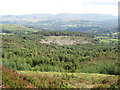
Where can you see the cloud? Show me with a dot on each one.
(58, 6)
(101, 2)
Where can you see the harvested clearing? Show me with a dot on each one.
(65, 40)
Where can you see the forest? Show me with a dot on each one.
(24, 51)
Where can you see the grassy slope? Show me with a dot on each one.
(71, 80)
(36, 79)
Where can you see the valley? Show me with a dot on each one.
(59, 53)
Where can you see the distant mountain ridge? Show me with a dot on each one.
(92, 23)
(61, 16)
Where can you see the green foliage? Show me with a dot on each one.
(26, 52)
(107, 67)
(15, 29)
(112, 69)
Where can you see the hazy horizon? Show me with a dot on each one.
(54, 14)
(26, 7)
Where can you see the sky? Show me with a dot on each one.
(21, 7)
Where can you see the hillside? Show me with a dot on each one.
(30, 53)
(71, 80)
(36, 79)
(13, 29)
(11, 79)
